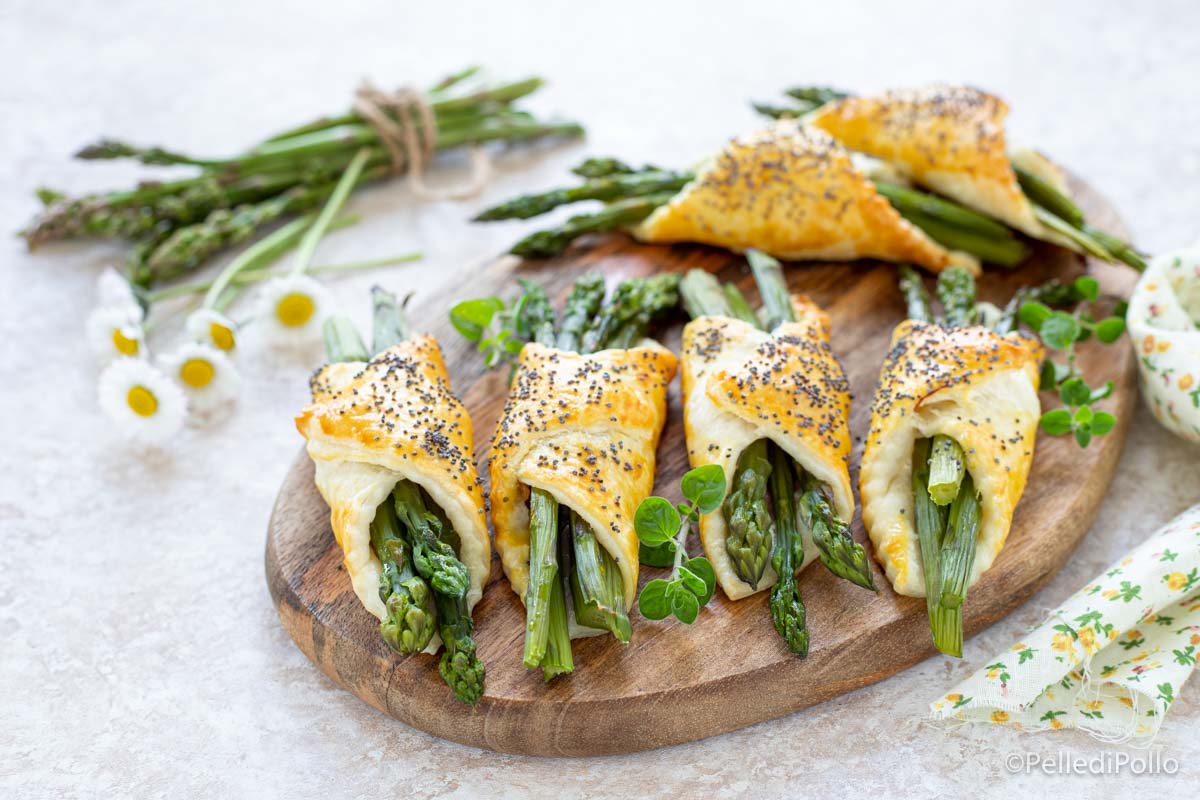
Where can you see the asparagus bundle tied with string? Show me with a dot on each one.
(409, 516)
(176, 225)
(574, 451)
(765, 398)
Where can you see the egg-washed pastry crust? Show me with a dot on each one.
(968, 383)
(948, 138)
(742, 384)
(793, 192)
(585, 429)
(394, 418)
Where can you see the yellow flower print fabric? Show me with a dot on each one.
(1164, 323)
(1111, 659)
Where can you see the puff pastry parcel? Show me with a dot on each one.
(371, 425)
(792, 192)
(583, 428)
(742, 384)
(968, 383)
(948, 138)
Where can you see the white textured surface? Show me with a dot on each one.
(139, 652)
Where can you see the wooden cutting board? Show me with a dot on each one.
(729, 668)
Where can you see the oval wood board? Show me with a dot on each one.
(729, 668)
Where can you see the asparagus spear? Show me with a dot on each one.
(945, 211)
(915, 296)
(433, 558)
(956, 291)
(535, 315)
(596, 586)
(929, 521)
(750, 530)
(557, 660)
(459, 666)
(613, 187)
(601, 168)
(702, 295)
(787, 608)
(582, 304)
(946, 469)
(817, 95)
(1042, 193)
(739, 306)
(543, 573)
(955, 561)
(342, 342)
(840, 554)
(619, 214)
(1007, 252)
(776, 299)
(634, 305)
(409, 600)
(389, 322)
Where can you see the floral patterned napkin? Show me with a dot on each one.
(1111, 659)
(1164, 324)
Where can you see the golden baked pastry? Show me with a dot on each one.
(968, 383)
(793, 192)
(948, 138)
(394, 418)
(742, 384)
(583, 428)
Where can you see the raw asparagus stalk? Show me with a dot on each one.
(739, 306)
(543, 574)
(581, 306)
(915, 297)
(389, 322)
(602, 168)
(619, 214)
(776, 299)
(634, 305)
(945, 211)
(459, 666)
(434, 559)
(956, 291)
(955, 561)
(342, 342)
(840, 554)
(411, 614)
(596, 586)
(787, 607)
(613, 187)
(1088, 244)
(750, 530)
(946, 469)
(929, 520)
(703, 296)
(1042, 193)
(535, 315)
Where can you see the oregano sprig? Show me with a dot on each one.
(1061, 331)
(662, 530)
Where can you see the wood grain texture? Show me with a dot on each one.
(730, 667)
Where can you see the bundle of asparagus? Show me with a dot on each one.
(774, 505)
(177, 225)
(423, 581)
(564, 554)
(1061, 220)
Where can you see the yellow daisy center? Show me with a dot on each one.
(295, 309)
(197, 372)
(125, 345)
(221, 336)
(142, 401)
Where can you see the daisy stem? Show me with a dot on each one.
(266, 249)
(250, 275)
(345, 185)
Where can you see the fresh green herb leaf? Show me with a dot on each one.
(1083, 436)
(691, 581)
(1060, 330)
(1056, 422)
(1109, 330)
(654, 602)
(1102, 423)
(702, 567)
(704, 487)
(662, 555)
(1034, 314)
(656, 521)
(1087, 287)
(1074, 392)
(684, 605)
(1099, 394)
(470, 317)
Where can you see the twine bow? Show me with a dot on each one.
(407, 127)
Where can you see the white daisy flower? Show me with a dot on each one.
(207, 376)
(114, 291)
(212, 328)
(291, 310)
(116, 332)
(143, 402)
